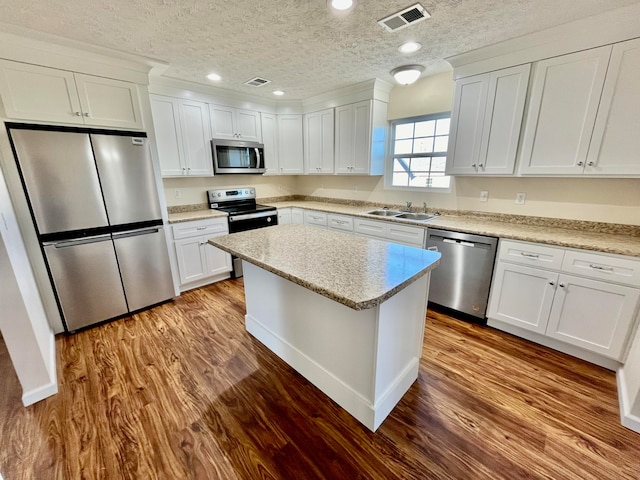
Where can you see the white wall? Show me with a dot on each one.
(23, 322)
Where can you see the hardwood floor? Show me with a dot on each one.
(182, 391)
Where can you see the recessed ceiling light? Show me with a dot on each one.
(342, 4)
(278, 92)
(214, 77)
(409, 47)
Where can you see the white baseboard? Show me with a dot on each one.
(628, 420)
(51, 388)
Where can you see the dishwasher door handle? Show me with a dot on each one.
(459, 242)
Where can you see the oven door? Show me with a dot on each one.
(251, 221)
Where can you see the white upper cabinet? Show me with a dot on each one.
(31, 92)
(234, 123)
(290, 144)
(182, 136)
(486, 120)
(270, 140)
(563, 104)
(615, 144)
(360, 138)
(318, 142)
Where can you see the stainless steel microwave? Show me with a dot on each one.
(236, 156)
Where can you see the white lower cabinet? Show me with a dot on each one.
(297, 215)
(198, 262)
(341, 223)
(284, 216)
(533, 293)
(316, 219)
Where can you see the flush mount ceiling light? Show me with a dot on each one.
(214, 77)
(278, 92)
(341, 4)
(407, 74)
(409, 47)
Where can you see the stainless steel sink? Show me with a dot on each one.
(420, 217)
(384, 213)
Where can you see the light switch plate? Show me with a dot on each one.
(520, 198)
(484, 196)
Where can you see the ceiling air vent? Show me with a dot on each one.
(409, 16)
(257, 82)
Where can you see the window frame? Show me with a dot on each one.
(388, 170)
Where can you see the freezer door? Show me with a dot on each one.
(86, 279)
(126, 174)
(144, 265)
(61, 180)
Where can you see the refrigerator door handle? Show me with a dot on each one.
(79, 241)
(135, 233)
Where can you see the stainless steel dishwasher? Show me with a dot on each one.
(462, 280)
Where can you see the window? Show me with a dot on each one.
(419, 152)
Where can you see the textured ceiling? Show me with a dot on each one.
(301, 46)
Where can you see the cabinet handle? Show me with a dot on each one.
(473, 165)
(552, 283)
(481, 165)
(562, 285)
(78, 114)
(203, 243)
(580, 164)
(87, 114)
(598, 267)
(529, 255)
(201, 228)
(591, 164)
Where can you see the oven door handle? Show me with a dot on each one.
(249, 216)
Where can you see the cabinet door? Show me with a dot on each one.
(563, 104)
(270, 141)
(217, 261)
(290, 134)
(502, 120)
(284, 216)
(192, 263)
(195, 138)
(248, 125)
(38, 93)
(593, 315)
(297, 216)
(110, 103)
(166, 125)
(522, 296)
(222, 121)
(344, 139)
(467, 119)
(362, 138)
(615, 144)
(318, 142)
(316, 219)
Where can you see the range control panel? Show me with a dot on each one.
(220, 196)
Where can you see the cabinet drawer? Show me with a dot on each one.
(612, 269)
(318, 219)
(369, 228)
(340, 222)
(201, 227)
(531, 254)
(405, 234)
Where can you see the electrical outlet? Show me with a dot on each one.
(484, 196)
(520, 198)
(177, 193)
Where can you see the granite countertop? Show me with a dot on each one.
(612, 238)
(597, 237)
(358, 272)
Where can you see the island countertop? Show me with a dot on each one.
(358, 272)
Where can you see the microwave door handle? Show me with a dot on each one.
(258, 158)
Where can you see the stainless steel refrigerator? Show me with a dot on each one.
(95, 207)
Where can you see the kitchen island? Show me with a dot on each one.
(346, 312)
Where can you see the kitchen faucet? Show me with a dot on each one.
(408, 207)
(424, 207)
